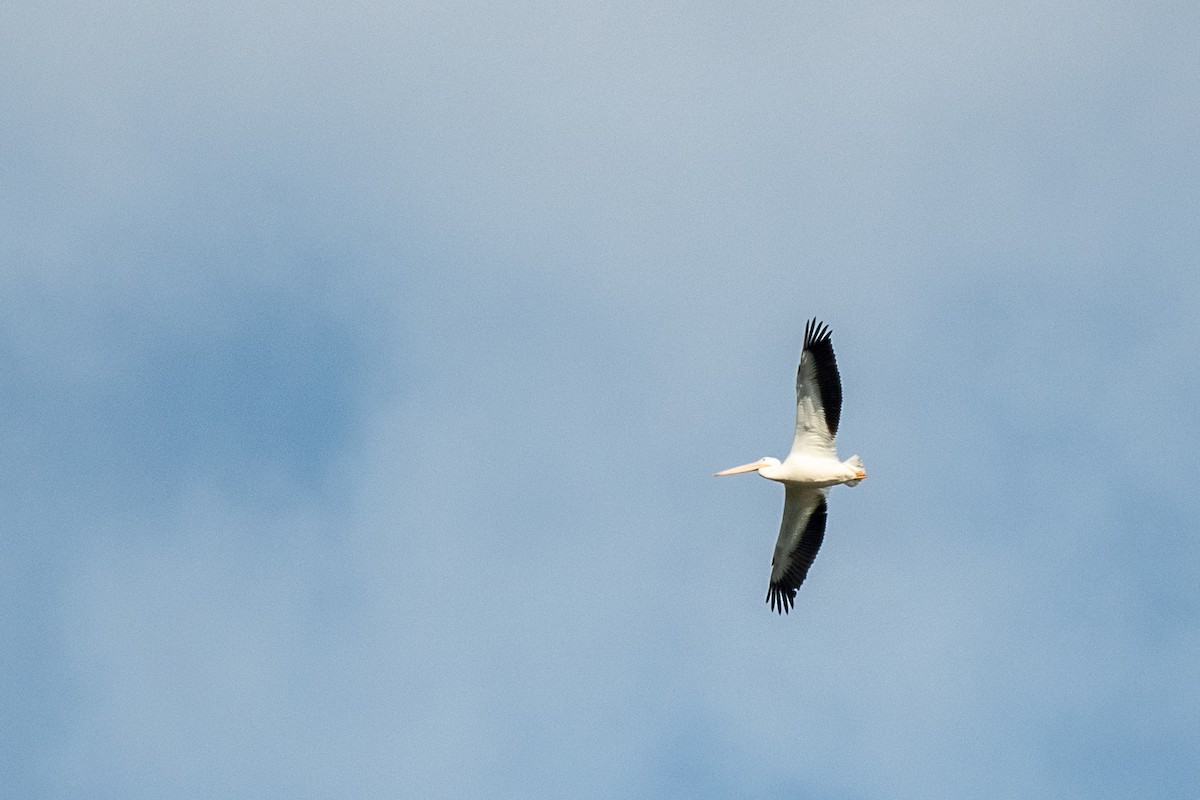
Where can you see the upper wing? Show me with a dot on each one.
(800, 536)
(818, 392)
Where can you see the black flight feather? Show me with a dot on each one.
(817, 341)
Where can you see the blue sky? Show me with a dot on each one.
(365, 368)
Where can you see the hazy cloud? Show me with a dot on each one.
(365, 369)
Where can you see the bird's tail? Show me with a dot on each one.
(855, 463)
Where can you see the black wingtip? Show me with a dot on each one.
(816, 331)
(782, 600)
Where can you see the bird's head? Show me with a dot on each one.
(766, 461)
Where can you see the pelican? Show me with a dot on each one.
(810, 469)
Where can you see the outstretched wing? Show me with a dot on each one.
(800, 536)
(818, 393)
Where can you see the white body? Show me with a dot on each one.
(813, 471)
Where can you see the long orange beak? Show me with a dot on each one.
(742, 468)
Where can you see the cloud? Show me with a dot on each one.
(366, 369)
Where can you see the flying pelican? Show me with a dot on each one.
(810, 468)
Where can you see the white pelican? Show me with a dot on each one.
(810, 468)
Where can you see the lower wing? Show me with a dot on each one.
(800, 536)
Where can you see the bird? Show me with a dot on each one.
(810, 469)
